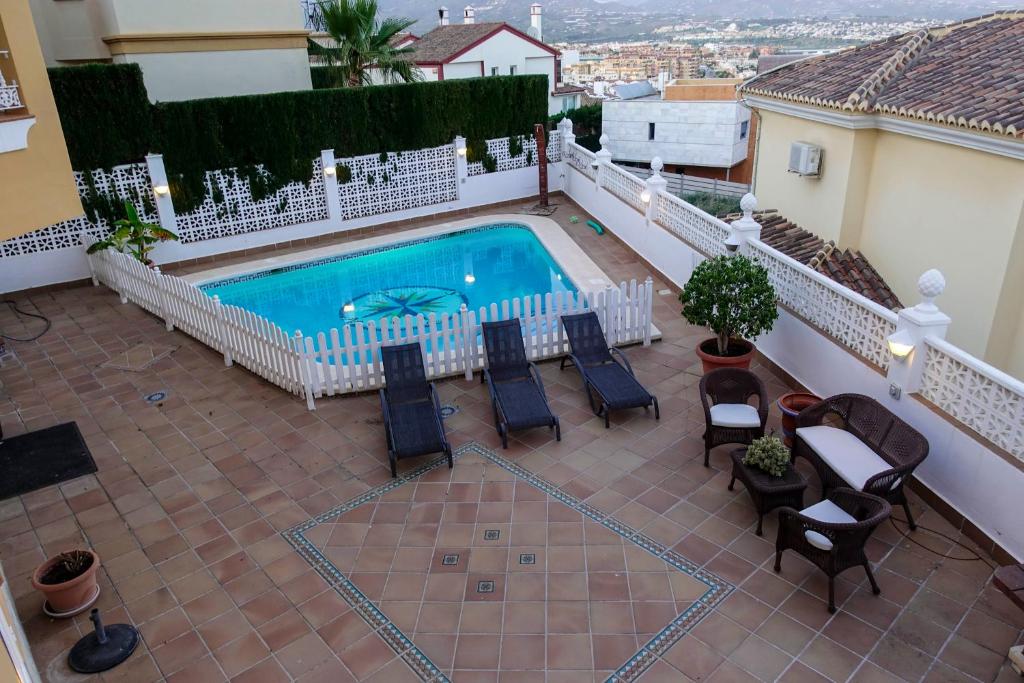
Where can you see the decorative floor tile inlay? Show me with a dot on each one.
(607, 583)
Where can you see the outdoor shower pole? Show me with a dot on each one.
(542, 162)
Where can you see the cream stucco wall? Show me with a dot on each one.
(195, 75)
(910, 204)
(936, 205)
(829, 205)
(159, 16)
(37, 187)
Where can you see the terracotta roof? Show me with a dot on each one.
(966, 74)
(562, 89)
(444, 42)
(847, 267)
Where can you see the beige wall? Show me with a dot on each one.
(37, 186)
(702, 89)
(829, 205)
(911, 204)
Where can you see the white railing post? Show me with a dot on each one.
(604, 159)
(744, 229)
(119, 275)
(568, 137)
(161, 192)
(329, 168)
(468, 340)
(648, 303)
(654, 185)
(222, 331)
(87, 241)
(461, 164)
(906, 344)
(307, 381)
(162, 297)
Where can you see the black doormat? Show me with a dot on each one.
(43, 458)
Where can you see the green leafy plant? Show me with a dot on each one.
(490, 163)
(360, 45)
(732, 296)
(715, 204)
(769, 455)
(515, 146)
(133, 235)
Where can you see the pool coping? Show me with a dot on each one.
(574, 262)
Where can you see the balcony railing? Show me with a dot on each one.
(9, 96)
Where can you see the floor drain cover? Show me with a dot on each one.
(156, 397)
(448, 410)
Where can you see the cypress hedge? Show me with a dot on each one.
(283, 131)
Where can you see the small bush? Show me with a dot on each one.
(768, 454)
(715, 204)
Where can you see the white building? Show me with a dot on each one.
(471, 50)
(706, 132)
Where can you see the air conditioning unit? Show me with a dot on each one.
(804, 159)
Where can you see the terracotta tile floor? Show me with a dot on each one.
(195, 494)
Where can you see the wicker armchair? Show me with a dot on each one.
(727, 415)
(832, 534)
(878, 461)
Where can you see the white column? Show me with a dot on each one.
(161, 192)
(744, 229)
(653, 185)
(461, 165)
(329, 167)
(604, 158)
(914, 324)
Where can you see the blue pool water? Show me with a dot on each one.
(478, 267)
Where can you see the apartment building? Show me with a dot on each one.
(920, 147)
(187, 49)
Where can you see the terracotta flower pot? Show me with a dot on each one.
(70, 596)
(741, 352)
(791, 404)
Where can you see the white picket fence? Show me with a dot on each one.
(347, 360)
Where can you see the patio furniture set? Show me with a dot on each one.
(862, 453)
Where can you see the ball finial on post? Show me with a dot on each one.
(930, 285)
(748, 204)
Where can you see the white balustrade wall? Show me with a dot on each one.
(346, 360)
(501, 151)
(366, 191)
(833, 340)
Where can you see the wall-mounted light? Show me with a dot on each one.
(330, 170)
(645, 197)
(161, 190)
(349, 308)
(732, 243)
(470, 278)
(461, 151)
(901, 345)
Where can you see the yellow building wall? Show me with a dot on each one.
(936, 205)
(37, 186)
(830, 204)
(702, 89)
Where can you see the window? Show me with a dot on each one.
(511, 71)
(650, 131)
(744, 129)
(494, 71)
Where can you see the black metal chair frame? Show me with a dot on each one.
(421, 391)
(589, 350)
(731, 385)
(848, 540)
(515, 369)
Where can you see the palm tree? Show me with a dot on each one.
(360, 48)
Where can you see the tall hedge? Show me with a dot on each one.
(105, 113)
(282, 131)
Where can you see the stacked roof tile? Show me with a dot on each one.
(966, 75)
(846, 266)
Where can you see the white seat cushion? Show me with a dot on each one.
(848, 456)
(825, 511)
(736, 415)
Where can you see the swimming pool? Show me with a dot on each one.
(477, 266)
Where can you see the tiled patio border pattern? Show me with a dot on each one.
(718, 589)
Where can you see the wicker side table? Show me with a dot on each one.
(766, 491)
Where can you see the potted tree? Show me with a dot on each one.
(732, 296)
(68, 581)
(134, 235)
